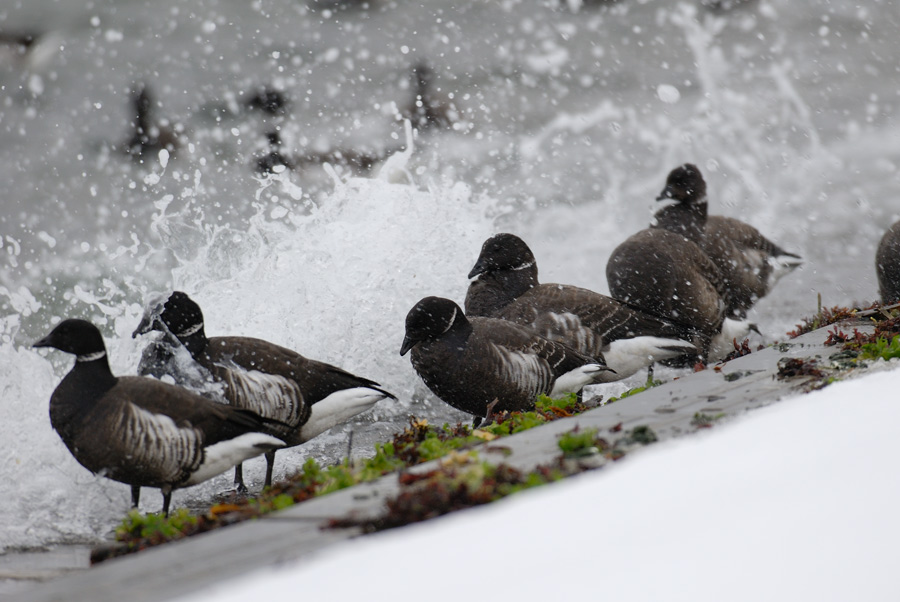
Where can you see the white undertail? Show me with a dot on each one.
(723, 343)
(337, 408)
(627, 356)
(781, 266)
(575, 380)
(224, 455)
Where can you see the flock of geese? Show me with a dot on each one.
(680, 291)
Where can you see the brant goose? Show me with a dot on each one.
(140, 431)
(750, 263)
(472, 363)
(304, 396)
(507, 287)
(667, 275)
(148, 138)
(887, 265)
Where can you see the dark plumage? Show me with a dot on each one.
(148, 137)
(887, 265)
(140, 431)
(507, 287)
(306, 397)
(470, 363)
(750, 263)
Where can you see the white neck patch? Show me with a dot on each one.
(524, 266)
(452, 320)
(192, 330)
(90, 357)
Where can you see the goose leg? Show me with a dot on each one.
(167, 499)
(135, 495)
(239, 479)
(270, 465)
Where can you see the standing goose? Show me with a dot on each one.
(306, 397)
(471, 363)
(887, 265)
(666, 274)
(596, 325)
(140, 431)
(750, 263)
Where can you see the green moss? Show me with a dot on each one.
(643, 435)
(578, 442)
(649, 385)
(154, 528)
(546, 404)
(881, 349)
(419, 442)
(701, 420)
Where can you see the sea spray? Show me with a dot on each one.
(332, 280)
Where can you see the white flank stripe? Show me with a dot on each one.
(155, 440)
(526, 371)
(226, 454)
(337, 408)
(266, 394)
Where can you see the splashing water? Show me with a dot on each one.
(574, 117)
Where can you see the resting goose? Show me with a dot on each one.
(596, 325)
(750, 263)
(306, 397)
(471, 363)
(141, 431)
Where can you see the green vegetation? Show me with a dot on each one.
(882, 348)
(649, 385)
(419, 442)
(579, 442)
(460, 481)
(701, 420)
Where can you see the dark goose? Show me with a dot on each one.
(140, 431)
(887, 265)
(750, 263)
(665, 274)
(305, 396)
(470, 363)
(596, 325)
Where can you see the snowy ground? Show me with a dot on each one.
(797, 501)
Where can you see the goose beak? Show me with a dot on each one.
(144, 327)
(479, 268)
(45, 342)
(408, 344)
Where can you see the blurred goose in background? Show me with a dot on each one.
(887, 265)
(479, 364)
(141, 431)
(306, 397)
(148, 137)
(628, 339)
